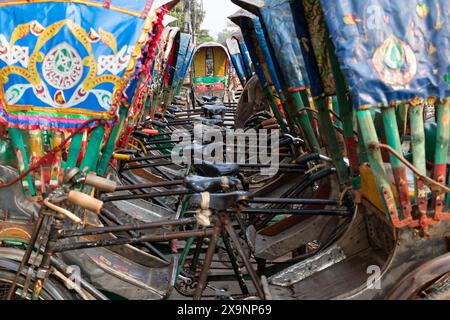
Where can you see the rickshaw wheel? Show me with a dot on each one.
(429, 281)
(51, 291)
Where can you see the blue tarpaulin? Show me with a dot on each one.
(236, 59)
(391, 50)
(278, 20)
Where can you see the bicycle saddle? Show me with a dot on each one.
(216, 109)
(212, 122)
(220, 201)
(210, 98)
(209, 169)
(210, 184)
(257, 119)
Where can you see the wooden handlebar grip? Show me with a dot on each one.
(151, 132)
(100, 183)
(119, 156)
(85, 201)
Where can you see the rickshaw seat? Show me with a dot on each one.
(209, 169)
(222, 201)
(210, 184)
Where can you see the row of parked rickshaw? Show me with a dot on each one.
(100, 98)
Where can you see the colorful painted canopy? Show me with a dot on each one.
(64, 62)
(310, 25)
(391, 50)
(183, 58)
(187, 63)
(295, 57)
(236, 59)
(246, 57)
(258, 47)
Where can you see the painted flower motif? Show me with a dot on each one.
(115, 63)
(393, 55)
(36, 28)
(422, 10)
(62, 66)
(59, 98)
(93, 36)
(12, 54)
(395, 62)
(351, 19)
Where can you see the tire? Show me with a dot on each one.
(53, 290)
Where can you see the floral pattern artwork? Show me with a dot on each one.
(63, 62)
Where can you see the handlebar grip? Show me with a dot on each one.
(159, 123)
(119, 156)
(85, 201)
(63, 211)
(150, 132)
(169, 116)
(100, 183)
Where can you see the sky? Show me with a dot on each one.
(217, 12)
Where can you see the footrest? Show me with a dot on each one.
(116, 274)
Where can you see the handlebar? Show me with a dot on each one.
(100, 183)
(85, 201)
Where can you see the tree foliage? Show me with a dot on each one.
(204, 36)
(195, 17)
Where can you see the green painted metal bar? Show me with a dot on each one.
(305, 95)
(111, 143)
(304, 121)
(189, 241)
(345, 107)
(91, 156)
(274, 108)
(337, 110)
(402, 118)
(369, 136)
(147, 105)
(74, 151)
(17, 140)
(329, 134)
(441, 152)
(419, 157)
(398, 168)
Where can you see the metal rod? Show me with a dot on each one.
(237, 245)
(148, 165)
(295, 201)
(149, 185)
(27, 255)
(203, 277)
(147, 195)
(126, 227)
(122, 241)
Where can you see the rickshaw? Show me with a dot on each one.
(62, 87)
(395, 247)
(293, 231)
(211, 70)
